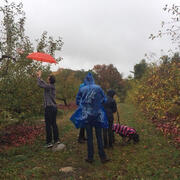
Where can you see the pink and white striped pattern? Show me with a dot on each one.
(123, 130)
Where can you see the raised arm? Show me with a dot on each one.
(42, 83)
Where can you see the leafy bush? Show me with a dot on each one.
(157, 94)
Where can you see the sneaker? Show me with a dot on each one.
(49, 145)
(57, 142)
(105, 160)
(89, 160)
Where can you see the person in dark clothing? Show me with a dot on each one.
(90, 115)
(110, 108)
(81, 137)
(50, 109)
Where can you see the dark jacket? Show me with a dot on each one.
(110, 105)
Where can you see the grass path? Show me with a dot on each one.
(153, 158)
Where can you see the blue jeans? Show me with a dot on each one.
(90, 146)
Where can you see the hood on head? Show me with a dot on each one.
(89, 79)
(111, 93)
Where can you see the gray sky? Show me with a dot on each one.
(100, 31)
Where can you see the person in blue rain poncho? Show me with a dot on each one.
(90, 113)
(81, 137)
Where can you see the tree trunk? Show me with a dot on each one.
(64, 100)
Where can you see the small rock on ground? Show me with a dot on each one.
(59, 147)
(67, 169)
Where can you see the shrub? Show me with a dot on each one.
(157, 94)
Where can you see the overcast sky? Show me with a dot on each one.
(99, 31)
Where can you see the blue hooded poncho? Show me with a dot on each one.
(89, 100)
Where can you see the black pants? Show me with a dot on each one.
(81, 134)
(51, 126)
(108, 136)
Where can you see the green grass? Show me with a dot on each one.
(154, 157)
